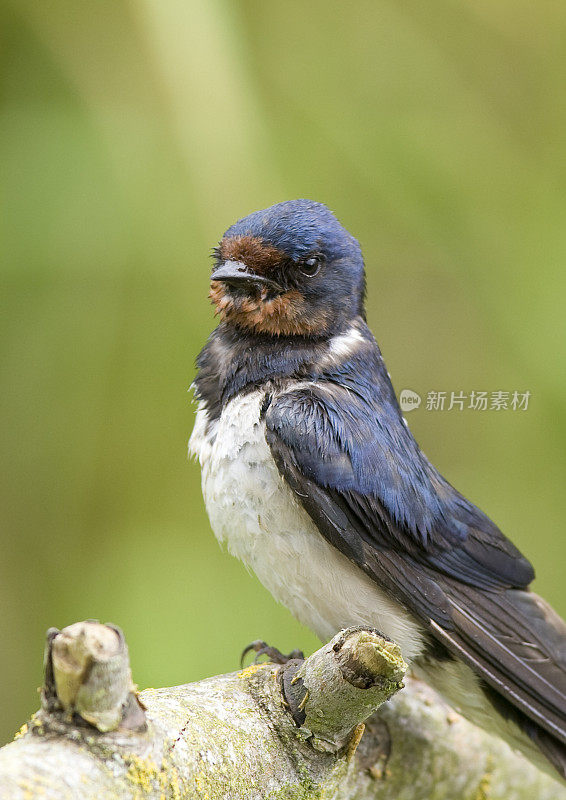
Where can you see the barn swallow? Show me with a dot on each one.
(312, 477)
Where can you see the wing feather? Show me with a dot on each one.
(375, 497)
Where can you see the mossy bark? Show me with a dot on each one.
(234, 736)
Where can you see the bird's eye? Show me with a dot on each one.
(311, 265)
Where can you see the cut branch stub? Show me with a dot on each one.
(87, 675)
(339, 686)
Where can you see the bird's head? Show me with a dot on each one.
(289, 270)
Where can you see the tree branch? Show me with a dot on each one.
(265, 732)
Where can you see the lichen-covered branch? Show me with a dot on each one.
(266, 732)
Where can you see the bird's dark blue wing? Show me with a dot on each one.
(363, 454)
(358, 472)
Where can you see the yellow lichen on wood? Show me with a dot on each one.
(23, 730)
(141, 772)
(483, 792)
(247, 672)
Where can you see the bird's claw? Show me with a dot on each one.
(261, 648)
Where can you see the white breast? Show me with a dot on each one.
(253, 510)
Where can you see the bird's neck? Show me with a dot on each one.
(234, 361)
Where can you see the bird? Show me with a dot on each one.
(312, 477)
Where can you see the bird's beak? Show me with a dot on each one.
(235, 273)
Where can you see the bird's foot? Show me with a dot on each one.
(273, 654)
(294, 696)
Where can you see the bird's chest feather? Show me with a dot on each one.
(255, 513)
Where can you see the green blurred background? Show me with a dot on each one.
(133, 133)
